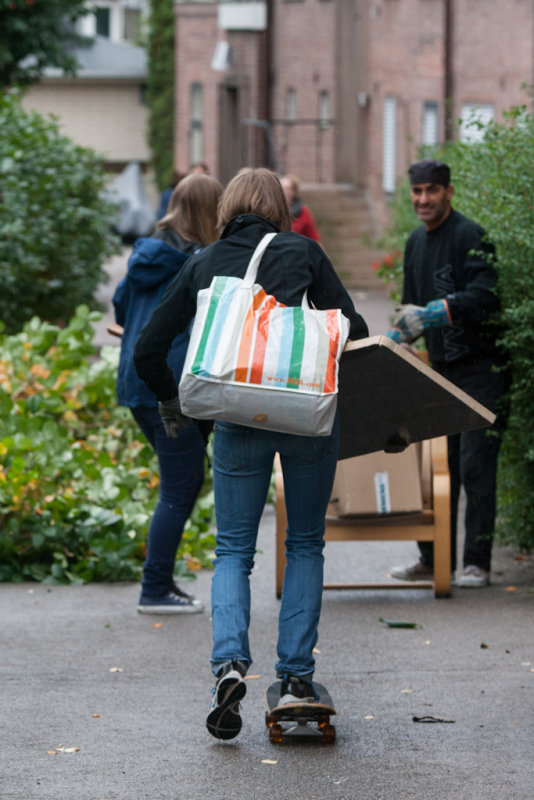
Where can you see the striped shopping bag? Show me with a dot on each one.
(254, 361)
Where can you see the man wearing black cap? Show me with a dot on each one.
(449, 297)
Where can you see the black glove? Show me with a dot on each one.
(172, 417)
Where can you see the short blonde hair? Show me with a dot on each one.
(255, 191)
(193, 209)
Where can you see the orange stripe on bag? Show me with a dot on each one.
(262, 332)
(247, 333)
(333, 330)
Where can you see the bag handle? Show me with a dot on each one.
(252, 269)
(254, 263)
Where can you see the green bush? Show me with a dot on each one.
(494, 185)
(54, 224)
(78, 482)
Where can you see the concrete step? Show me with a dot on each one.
(343, 217)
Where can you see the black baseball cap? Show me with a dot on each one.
(430, 171)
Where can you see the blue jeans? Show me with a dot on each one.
(181, 473)
(242, 469)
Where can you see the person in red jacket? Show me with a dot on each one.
(302, 220)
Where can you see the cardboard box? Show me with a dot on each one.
(378, 483)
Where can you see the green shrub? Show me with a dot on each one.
(54, 224)
(78, 482)
(494, 185)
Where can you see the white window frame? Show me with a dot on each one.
(471, 112)
(430, 132)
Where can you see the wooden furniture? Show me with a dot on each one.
(430, 525)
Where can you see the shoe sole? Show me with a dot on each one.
(224, 721)
(461, 585)
(193, 609)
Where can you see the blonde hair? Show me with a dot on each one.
(193, 209)
(255, 191)
(294, 183)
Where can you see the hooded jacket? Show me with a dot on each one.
(152, 266)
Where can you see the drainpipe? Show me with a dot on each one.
(448, 87)
(266, 73)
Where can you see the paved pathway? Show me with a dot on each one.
(99, 703)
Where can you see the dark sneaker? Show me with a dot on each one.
(175, 589)
(413, 572)
(224, 718)
(473, 577)
(293, 689)
(170, 603)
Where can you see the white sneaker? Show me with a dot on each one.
(413, 572)
(473, 577)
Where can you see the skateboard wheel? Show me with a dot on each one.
(275, 734)
(329, 734)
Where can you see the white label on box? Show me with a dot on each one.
(383, 500)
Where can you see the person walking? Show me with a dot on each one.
(302, 220)
(187, 228)
(252, 205)
(449, 296)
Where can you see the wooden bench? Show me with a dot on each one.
(432, 524)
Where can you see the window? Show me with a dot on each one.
(102, 22)
(324, 109)
(291, 104)
(473, 121)
(389, 133)
(196, 144)
(430, 124)
(132, 25)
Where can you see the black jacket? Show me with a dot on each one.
(290, 265)
(449, 262)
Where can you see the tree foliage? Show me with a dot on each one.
(35, 34)
(54, 224)
(78, 481)
(160, 90)
(494, 185)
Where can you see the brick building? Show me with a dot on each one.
(342, 91)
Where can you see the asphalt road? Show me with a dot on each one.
(99, 703)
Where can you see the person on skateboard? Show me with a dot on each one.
(252, 205)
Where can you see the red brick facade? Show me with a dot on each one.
(345, 85)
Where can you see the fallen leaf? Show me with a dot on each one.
(95, 716)
(511, 588)
(158, 625)
(116, 669)
(268, 761)
(395, 623)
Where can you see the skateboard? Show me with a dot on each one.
(298, 715)
(388, 398)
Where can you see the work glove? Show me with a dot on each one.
(411, 320)
(172, 417)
